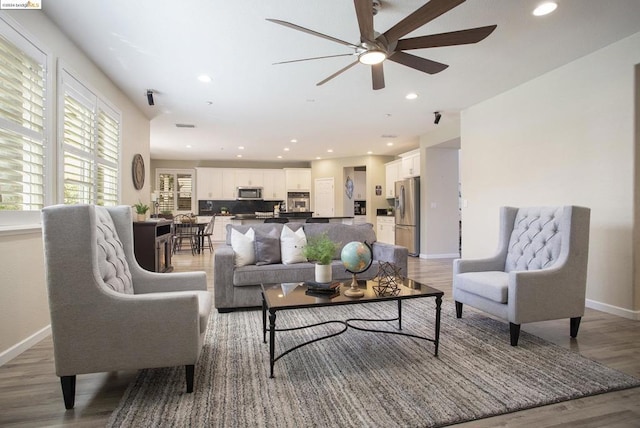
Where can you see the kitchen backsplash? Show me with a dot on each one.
(210, 207)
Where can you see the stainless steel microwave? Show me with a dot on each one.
(248, 193)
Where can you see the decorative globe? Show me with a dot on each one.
(356, 256)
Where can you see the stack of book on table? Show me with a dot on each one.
(322, 289)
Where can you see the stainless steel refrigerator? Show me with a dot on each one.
(407, 194)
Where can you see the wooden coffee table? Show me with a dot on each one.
(280, 297)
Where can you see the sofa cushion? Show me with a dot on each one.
(492, 285)
(243, 247)
(291, 245)
(267, 247)
(112, 262)
(342, 233)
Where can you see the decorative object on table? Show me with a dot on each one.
(321, 249)
(137, 171)
(224, 210)
(356, 257)
(141, 210)
(156, 204)
(378, 190)
(323, 290)
(388, 278)
(348, 187)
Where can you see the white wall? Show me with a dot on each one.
(566, 137)
(24, 310)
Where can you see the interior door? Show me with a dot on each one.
(324, 203)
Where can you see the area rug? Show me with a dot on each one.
(363, 379)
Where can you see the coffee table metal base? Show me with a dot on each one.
(346, 324)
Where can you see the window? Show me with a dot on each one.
(175, 190)
(90, 135)
(23, 122)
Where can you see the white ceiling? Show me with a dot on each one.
(165, 45)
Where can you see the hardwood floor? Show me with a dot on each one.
(30, 394)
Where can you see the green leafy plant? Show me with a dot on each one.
(141, 208)
(320, 248)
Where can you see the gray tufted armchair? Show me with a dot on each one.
(539, 272)
(107, 313)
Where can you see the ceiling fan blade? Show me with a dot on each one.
(342, 70)
(377, 75)
(364, 12)
(462, 37)
(417, 19)
(314, 33)
(417, 63)
(310, 59)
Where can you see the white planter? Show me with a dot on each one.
(323, 273)
(142, 217)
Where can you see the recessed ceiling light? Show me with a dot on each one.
(204, 78)
(240, 147)
(279, 156)
(188, 146)
(330, 151)
(369, 152)
(545, 8)
(318, 158)
(286, 149)
(389, 143)
(238, 156)
(294, 141)
(411, 96)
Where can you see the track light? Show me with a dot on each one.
(150, 97)
(438, 116)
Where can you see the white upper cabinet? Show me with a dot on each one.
(274, 185)
(208, 183)
(392, 174)
(410, 164)
(298, 179)
(250, 177)
(359, 185)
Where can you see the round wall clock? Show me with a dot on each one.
(137, 171)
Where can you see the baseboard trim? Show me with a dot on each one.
(20, 347)
(613, 310)
(440, 256)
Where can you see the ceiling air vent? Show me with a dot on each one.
(184, 125)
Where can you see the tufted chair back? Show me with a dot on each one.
(536, 239)
(112, 262)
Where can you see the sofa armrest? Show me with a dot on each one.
(223, 267)
(390, 253)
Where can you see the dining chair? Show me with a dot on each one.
(185, 229)
(208, 232)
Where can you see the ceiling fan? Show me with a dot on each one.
(374, 48)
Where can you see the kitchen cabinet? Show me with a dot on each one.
(250, 177)
(359, 219)
(220, 228)
(298, 179)
(386, 229)
(410, 164)
(275, 188)
(392, 174)
(228, 184)
(208, 183)
(359, 185)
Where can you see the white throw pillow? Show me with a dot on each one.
(291, 245)
(243, 247)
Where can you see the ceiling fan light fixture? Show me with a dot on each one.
(372, 57)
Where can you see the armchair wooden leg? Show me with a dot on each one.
(575, 325)
(68, 390)
(514, 331)
(458, 310)
(190, 372)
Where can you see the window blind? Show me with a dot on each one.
(91, 146)
(23, 74)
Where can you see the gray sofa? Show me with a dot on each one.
(239, 287)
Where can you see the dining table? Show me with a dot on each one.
(201, 224)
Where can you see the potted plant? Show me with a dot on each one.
(224, 210)
(141, 210)
(321, 249)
